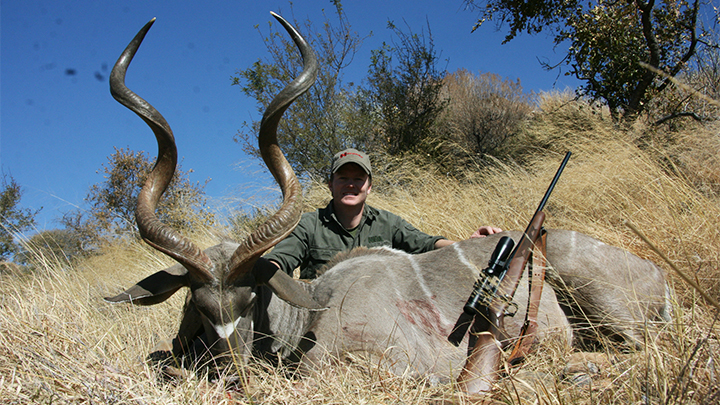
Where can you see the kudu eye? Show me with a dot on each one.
(245, 311)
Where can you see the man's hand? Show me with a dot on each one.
(480, 233)
(484, 231)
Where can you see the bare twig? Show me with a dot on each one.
(681, 84)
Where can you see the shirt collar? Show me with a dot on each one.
(328, 213)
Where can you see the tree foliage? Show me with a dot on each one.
(15, 220)
(320, 122)
(113, 201)
(402, 95)
(392, 112)
(609, 42)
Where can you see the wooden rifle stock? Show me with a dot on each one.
(481, 368)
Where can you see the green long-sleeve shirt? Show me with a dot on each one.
(319, 237)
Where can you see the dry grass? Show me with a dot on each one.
(60, 343)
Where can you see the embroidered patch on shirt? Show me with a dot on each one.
(374, 239)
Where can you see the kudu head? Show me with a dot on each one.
(222, 282)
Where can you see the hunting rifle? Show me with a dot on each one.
(491, 300)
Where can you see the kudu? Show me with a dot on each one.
(381, 302)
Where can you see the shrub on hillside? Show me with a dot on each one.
(112, 202)
(484, 113)
(56, 245)
(13, 219)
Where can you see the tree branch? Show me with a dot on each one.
(678, 115)
(634, 103)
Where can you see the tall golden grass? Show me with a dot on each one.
(61, 343)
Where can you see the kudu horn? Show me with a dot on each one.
(286, 218)
(167, 240)
(154, 232)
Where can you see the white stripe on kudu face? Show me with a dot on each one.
(224, 331)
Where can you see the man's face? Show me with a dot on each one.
(350, 185)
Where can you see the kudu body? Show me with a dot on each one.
(382, 302)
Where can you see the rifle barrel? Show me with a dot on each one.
(552, 186)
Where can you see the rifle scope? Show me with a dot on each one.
(485, 287)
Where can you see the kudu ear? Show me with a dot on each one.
(156, 288)
(284, 286)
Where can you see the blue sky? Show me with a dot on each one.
(59, 123)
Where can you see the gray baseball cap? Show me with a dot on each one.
(351, 156)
